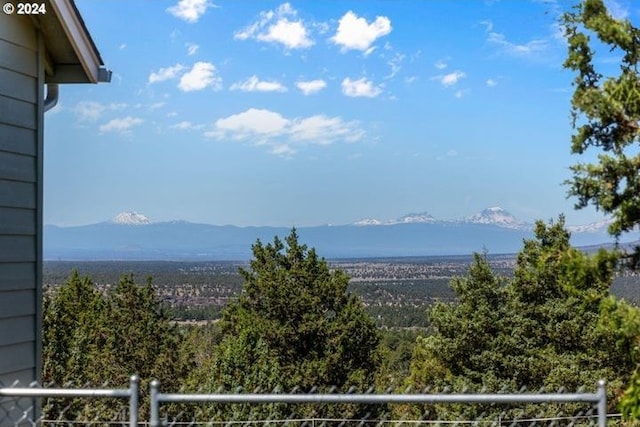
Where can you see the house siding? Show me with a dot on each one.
(21, 117)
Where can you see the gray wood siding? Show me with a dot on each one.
(21, 119)
(18, 140)
(18, 58)
(17, 167)
(18, 113)
(16, 358)
(16, 330)
(17, 276)
(17, 221)
(17, 85)
(16, 194)
(17, 304)
(16, 377)
(17, 249)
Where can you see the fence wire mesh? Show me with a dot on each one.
(333, 408)
(69, 405)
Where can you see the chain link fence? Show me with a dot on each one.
(50, 406)
(375, 409)
(67, 406)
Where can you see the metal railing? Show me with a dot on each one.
(131, 394)
(598, 399)
(27, 415)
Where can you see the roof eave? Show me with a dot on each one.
(90, 68)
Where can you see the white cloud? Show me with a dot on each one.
(284, 136)
(354, 33)
(185, 125)
(395, 65)
(487, 24)
(165, 73)
(251, 123)
(291, 34)
(201, 76)
(157, 105)
(321, 27)
(122, 125)
(283, 150)
(450, 79)
(492, 82)
(324, 130)
(123, 46)
(92, 111)
(190, 10)
(192, 48)
(311, 87)
(274, 26)
(360, 88)
(514, 49)
(253, 84)
(440, 64)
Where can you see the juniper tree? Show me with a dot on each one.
(605, 109)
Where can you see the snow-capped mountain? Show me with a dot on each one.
(131, 218)
(493, 216)
(594, 227)
(493, 229)
(368, 221)
(414, 218)
(497, 216)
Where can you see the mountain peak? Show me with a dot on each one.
(497, 216)
(368, 221)
(131, 218)
(495, 209)
(422, 217)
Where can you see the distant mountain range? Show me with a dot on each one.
(133, 236)
(494, 216)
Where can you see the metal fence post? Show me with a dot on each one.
(154, 416)
(602, 403)
(133, 401)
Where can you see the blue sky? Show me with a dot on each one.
(308, 113)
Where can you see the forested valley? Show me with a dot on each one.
(288, 318)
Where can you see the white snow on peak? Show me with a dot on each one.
(131, 218)
(413, 218)
(594, 227)
(368, 221)
(496, 216)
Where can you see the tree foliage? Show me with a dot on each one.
(552, 325)
(293, 325)
(605, 111)
(90, 338)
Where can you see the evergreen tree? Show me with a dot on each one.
(553, 325)
(293, 325)
(92, 339)
(606, 111)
